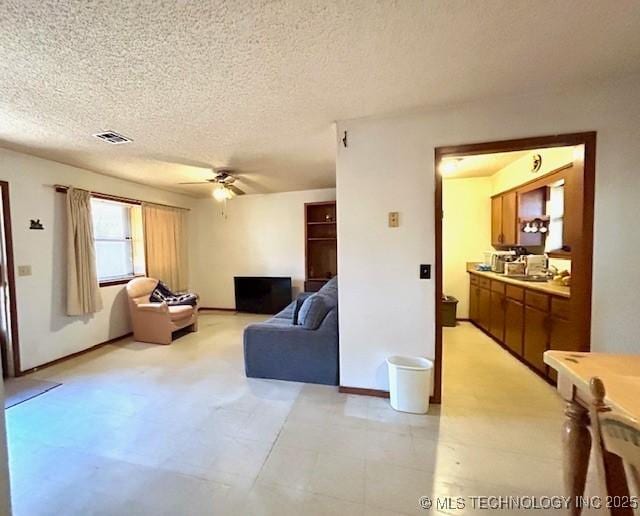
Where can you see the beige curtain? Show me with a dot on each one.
(165, 235)
(83, 291)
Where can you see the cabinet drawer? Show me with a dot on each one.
(484, 282)
(514, 292)
(560, 307)
(497, 286)
(537, 300)
(473, 279)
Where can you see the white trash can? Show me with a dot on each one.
(410, 383)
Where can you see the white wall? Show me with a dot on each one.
(384, 307)
(262, 235)
(466, 233)
(45, 331)
(519, 171)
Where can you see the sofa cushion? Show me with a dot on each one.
(286, 312)
(330, 287)
(180, 312)
(312, 312)
(296, 310)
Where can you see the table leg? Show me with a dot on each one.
(577, 447)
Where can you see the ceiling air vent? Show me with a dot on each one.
(112, 137)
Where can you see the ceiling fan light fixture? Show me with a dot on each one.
(222, 193)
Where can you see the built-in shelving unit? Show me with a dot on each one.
(321, 254)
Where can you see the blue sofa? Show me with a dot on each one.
(285, 348)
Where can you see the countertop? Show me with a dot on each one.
(547, 288)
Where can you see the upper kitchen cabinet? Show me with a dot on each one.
(504, 220)
(531, 208)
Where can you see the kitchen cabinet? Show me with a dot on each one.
(509, 218)
(562, 332)
(496, 221)
(536, 337)
(474, 293)
(484, 308)
(524, 320)
(480, 302)
(513, 325)
(497, 310)
(504, 220)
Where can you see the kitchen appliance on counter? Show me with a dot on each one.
(499, 258)
(516, 268)
(535, 264)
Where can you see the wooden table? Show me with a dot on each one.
(621, 377)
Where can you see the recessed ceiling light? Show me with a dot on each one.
(448, 166)
(112, 137)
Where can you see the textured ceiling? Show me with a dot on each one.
(256, 84)
(480, 165)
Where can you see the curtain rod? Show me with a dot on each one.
(109, 197)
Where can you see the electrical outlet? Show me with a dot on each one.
(24, 270)
(394, 219)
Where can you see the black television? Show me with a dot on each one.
(262, 294)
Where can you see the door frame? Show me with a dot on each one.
(11, 280)
(588, 139)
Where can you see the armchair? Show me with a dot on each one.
(156, 322)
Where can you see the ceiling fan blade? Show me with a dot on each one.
(196, 183)
(235, 189)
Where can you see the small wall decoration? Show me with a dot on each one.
(536, 163)
(36, 224)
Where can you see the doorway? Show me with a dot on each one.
(577, 187)
(9, 345)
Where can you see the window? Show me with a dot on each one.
(555, 210)
(117, 230)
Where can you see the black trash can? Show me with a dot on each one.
(449, 305)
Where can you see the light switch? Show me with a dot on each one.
(24, 270)
(394, 219)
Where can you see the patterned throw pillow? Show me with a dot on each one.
(162, 294)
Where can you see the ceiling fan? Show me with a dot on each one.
(224, 179)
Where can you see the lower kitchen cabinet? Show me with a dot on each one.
(536, 337)
(474, 294)
(484, 308)
(496, 316)
(513, 325)
(525, 321)
(561, 335)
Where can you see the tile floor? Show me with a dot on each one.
(138, 429)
